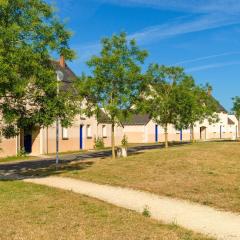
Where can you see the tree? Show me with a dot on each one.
(172, 97)
(29, 34)
(236, 107)
(196, 106)
(116, 81)
(160, 98)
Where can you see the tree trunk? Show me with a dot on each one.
(192, 134)
(166, 135)
(113, 141)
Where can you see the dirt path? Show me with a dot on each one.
(203, 219)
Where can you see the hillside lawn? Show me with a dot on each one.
(207, 173)
(32, 212)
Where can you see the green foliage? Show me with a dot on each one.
(172, 97)
(98, 143)
(236, 107)
(21, 153)
(29, 33)
(9, 131)
(124, 141)
(146, 212)
(116, 81)
(196, 106)
(165, 89)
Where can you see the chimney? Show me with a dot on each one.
(62, 61)
(209, 91)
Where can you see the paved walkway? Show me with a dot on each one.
(203, 219)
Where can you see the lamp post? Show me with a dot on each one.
(60, 77)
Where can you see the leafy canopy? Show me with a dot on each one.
(163, 91)
(116, 81)
(172, 97)
(236, 106)
(29, 34)
(196, 105)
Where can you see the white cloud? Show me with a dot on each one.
(200, 6)
(167, 30)
(212, 66)
(182, 26)
(211, 17)
(208, 57)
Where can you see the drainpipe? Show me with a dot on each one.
(156, 133)
(236, 132)
(220, 131)
(181, 135)
(47, 140)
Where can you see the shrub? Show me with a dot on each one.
(98, 143)
(146, 212)
(21, 153)
(124, 141)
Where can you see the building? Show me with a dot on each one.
(142, 129)
(82, 134)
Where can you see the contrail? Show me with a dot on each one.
(208, 57)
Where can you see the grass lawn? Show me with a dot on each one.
(36, 212)
(17, 158)
(208, 173)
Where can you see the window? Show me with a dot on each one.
(223, 129)
(64, 133)
(214, 129)
(104, 131)
(89, 131)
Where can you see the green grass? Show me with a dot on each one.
(32, 212)
(17, 159)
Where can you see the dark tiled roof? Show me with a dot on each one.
(69, 75)
(138, 119)
(230, 122)
(102, 117)
(220, 108)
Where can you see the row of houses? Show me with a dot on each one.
(139, 129)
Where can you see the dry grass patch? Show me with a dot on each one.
(36, 212)
(208, 173)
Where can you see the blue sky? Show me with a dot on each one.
(203, 36)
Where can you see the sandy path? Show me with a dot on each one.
(203, 219)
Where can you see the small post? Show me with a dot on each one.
(220, 131)
(60, 77)
(57, 142)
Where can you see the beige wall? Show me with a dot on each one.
(44, 140)
(73, 141)
(8, 147)
(146, 134)
(135, 133)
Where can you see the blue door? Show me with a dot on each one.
(28, 143)
(156, 133)
(181, 135)
(81, 136)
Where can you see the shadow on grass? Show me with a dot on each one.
(80, 161)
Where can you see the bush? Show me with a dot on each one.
(21, 153)
(146, 212)
(98, 143)
(124, 141)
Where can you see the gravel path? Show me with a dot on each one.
(203, 219)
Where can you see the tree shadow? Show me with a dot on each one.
(44, 171)
(72, 162)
